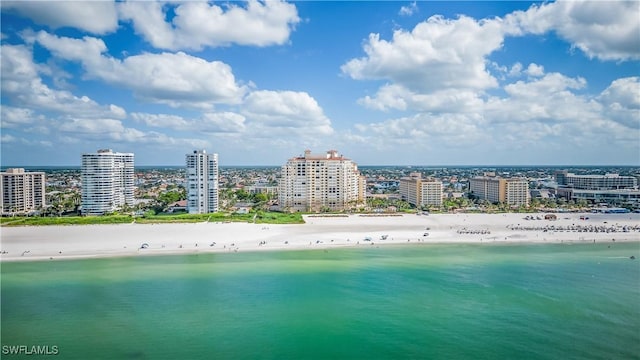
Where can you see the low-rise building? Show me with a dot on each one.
(261, 189)
(628, 197)
(542, 194)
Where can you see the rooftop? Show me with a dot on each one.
(329, 155)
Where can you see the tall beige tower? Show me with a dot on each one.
(317, 182)
(512, 191)
(419, 192)
(21, 192)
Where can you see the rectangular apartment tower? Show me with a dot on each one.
(107, 181)
(21, 192)
(317, 182)
(202, 182)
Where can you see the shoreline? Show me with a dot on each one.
(66, 242)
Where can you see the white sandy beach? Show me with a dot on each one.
(84, 241)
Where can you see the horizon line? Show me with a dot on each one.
(359, 165)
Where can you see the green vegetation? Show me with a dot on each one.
(260, 217)
(265, 217)
(384, 203)
(231, 197)
(171, 196)
(66, 220)
(192, 218)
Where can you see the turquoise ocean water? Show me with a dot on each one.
(562, 301)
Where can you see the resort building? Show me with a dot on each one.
(107, 181)
(202, 182)
(595, 182)
(22, 192)
(319, 182)
(596, 189)
(420, 192)
(629, 197)
(512, 191)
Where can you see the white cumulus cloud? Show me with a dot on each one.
(226, 122)
(541, 115)
(13, 117)
(208, 122)
(621, 101)
(92, 126)
(438, 53)
(174, 122)
(535, 70)
(291, 110)
(97, 17)
(425, 131)
(408, 10)
(176, 79)
(397, 97)
(22, 84)
(607, 30)
(199, 24)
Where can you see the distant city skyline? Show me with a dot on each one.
(384, 83)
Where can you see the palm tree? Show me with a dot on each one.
(402, 205)
(56, 202)
(126, 208)
(76, 200)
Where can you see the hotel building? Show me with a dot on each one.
(22, 192)
(420, 192)
(512, 191)
(202, 182)
(610, 188)
(595, 182)
(317, 182)
(107, 181)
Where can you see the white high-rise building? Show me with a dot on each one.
(107, 181)
(21, 192)
(202, 182)
(317, 182)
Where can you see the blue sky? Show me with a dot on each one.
(384, 83)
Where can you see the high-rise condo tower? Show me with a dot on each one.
(21, 192)
(319, 182)
(202, 182)
(107, 181)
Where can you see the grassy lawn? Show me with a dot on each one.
(192, 218)
(66, 220)
(279, 218)
(261, 218)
